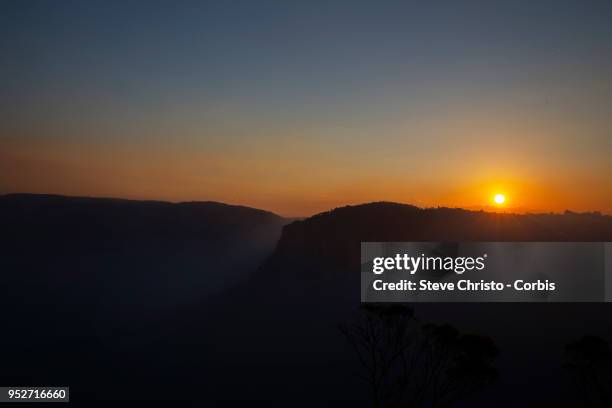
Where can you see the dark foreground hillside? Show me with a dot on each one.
(284, 334)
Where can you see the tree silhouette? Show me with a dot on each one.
(406, 363)
(589, 360)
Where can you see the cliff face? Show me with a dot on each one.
(332, 239)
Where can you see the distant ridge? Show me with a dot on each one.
(476, 209)
(58, 198)
(405, 220)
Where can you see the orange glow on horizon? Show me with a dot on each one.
(289, 184)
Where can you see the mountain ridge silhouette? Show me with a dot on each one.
(336, 234)
(82, 274)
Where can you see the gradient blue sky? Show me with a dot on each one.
(299, 107)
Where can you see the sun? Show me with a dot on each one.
(499, 199)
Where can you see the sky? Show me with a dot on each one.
(300, 107)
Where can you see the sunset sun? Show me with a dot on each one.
(499, 199)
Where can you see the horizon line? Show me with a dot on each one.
(474, 208)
